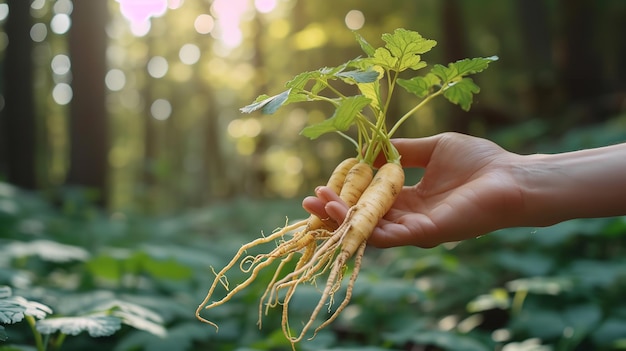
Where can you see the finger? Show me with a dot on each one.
(416, 152)
(327, 194)
(336, 210)
(315, 206)
(416, 230)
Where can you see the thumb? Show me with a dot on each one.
(415, 152)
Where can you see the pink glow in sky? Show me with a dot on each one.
(140, 11)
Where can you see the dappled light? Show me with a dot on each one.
(140, 12)
(144, 142)
(313, 36)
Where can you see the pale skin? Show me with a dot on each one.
(471, 187)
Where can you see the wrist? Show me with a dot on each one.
(580, 184)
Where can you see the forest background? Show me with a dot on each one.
(123, 121)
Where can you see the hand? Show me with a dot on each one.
(467, 190)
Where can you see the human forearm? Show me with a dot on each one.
(580, 184)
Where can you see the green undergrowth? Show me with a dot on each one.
(74, 278)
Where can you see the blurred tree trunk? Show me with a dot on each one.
(578, 55)
(453, 50)
(88, 117)
(149, 193)
(217, 182)
(18, 124)
(256, 183)
(536, 37)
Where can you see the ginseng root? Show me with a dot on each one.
(306, 233)
(347, 241)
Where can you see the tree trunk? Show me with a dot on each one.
(542, 96)
(454, 50)
(18, 144)
(88, 124)
(578, 56)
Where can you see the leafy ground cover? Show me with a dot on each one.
(74, 278)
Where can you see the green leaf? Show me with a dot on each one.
(473, 65)
(541, 285)
(14, 308)
(353, 77)
(276, 102)
(382, 57)
(131, 314)
(341, 120)
(181, 336)
(165, 267)
(3, 334)
(610, 331)
(420, 86)
(448, 341)
(96, 326)
(461, 93)
(365, 46)
(583, 317)
(47, 250)
(598, 273)
(456, 70)
(497, 298)
(300, 81)
(141, 323)
(268, 105)
(407, 46)
(540, 323)
(372, 92)
(320, 76)
(5, 291)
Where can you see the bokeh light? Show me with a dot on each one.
(161, 109)
(60, 23)
(189, 54)
(138, 11)
(115, 79)
(140, 29)
(244, 128)
(61, 64)
(313, 36)
(229, 14)
(37, 4)
(63, 7)
(62, 93)
(157, 67)
(204, 24)
(265, 6)
(38, 32)
(355, 19)
(4, 11)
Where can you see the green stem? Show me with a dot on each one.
(38, 339)
(59, 341)
(321, 98)
(518, 301)
(412, 111)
